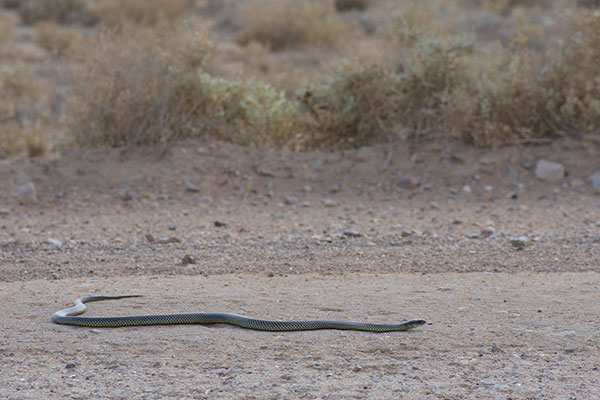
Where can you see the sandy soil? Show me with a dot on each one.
(216, 227)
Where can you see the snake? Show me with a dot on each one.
(69, 316)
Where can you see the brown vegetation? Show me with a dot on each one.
(284, 24)
(148, 75)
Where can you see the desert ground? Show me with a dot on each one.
(354, 160)
(310, 235)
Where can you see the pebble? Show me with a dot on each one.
(149, 237)
(172, 239)
(220, 224)
(577, 183)
(204, 201)
(53, 242)
(466, 189)
(407, 182)
(187, 259)
(487, 231)
(329, 203)
(190, 187)
(172, 227)
(594, 180)
(25, 194)
(570, 349)
(488, 194)
(519, 242)
(549, 171)
(4, 211)
(352, 233)
(511, 173)
(290, 200)
(125, 193)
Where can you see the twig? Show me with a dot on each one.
(390, 149)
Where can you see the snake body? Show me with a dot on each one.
(68, 316)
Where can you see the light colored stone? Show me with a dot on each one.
(25, 194)
(329, 203)
(549, 171)
(594, 180)
(408, 182)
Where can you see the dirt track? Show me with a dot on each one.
(303, 235)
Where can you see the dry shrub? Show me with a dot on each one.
(354, 107)
(434, 72)
(7, 29)
(23, 105)
(55, 38)
(287, 24)
(137, 87)
(115, 13)
(450, 88)
(59, 11)
(148, 86)
(249, 112)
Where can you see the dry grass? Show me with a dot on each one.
(57, 39)
(23, 105)
(116, 13)
(148, 86)
(59, 11)
(7, 29)
(286, 24)
(488, 72)
(450, 87)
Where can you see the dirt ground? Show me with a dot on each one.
(209, 226)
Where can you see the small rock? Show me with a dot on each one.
(220, 224)
(125, 193)
(261, 171)
(511, 173)
(25, 194)
(527, 164)
(204, 201)
(577, 183)
(172, 227)
(549, 171)
(594, 180)
(407, 182)
(304, 204)
(335, 188)
(190, 187)
(519, 242)
(329, 203)
(487, 231)
(172, 239)
(406, 234)
(352, 233)
(53, 242)
(187, 259)
(70, 366)
(444, 288)
(570, 349)
(290, 200)
(488, 193)
(4, 211)
(466, 189)
(495, 349)
(270, 274)
(149, 237)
